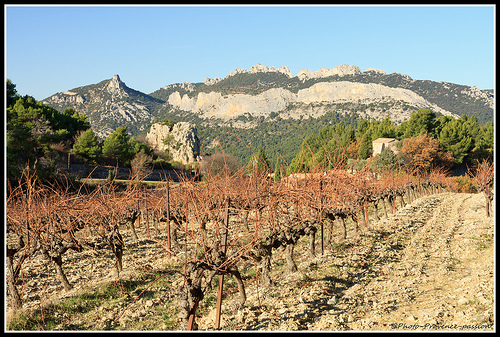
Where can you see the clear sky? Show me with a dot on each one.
(50, 49)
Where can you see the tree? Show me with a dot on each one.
(387, 160)
(420, 122)
(384, 129)
(483, 144)
(363, 126)
(117, 146)
(220, 164)
(11, 93)
(331, 145)
(484, 179)
(140, 163)
(86, 145)
(278, 170)
(484, 138)
(458, 136)
(260, 164)
(366, 146)
(424, 153)
(34, 130)
(441, 122)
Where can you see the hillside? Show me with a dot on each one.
(270, 107)
(108, 105)
(429, 266)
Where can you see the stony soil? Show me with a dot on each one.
(430, 266)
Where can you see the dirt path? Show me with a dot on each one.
(430, 266)
(444, 278)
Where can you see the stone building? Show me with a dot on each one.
(380, 144)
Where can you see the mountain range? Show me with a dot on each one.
(269, 107)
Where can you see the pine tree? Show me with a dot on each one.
(86, 145)
(366, 146)
(458, 136)
(117, 146)
(277, 170)
(260, 164)
(420, 122)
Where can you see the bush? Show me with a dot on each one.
(111, 175)
(220, 164)
(465, 184)
(140, 163)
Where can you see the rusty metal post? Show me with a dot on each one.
(147, 213)
(168, 220)
(365, 213)
(221, 276)
(321, 217)
(192, 314)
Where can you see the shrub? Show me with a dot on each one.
(465, 184)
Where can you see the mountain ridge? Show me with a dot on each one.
(267, 105)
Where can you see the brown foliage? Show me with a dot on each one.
(215, 224)
(483, 178)
(425, 154)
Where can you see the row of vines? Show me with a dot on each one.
(217, 225)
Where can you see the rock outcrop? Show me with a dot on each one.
(340, 70)
(214, 104)
(258, 68)
(180, 140)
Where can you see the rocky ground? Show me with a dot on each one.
(430, 267)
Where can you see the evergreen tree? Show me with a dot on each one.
(384, 129)
(363, 126)
(420, 122)
(11, 93)
(387, 160)
(366, 146)
(117, 146)
(260, 164)
(86, 145)
(484, 138)
(34, 130)
(263, 163)
(278, 174)
(457, 137)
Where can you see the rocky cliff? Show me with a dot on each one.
(180, 141)
(214, 104)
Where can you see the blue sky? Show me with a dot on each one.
(49, 49)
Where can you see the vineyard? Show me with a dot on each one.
(210, 234)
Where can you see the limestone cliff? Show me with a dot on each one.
(214, 104)
(180, 140)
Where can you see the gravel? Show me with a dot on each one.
(430, 267)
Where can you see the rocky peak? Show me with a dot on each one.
(115, 84)
(375, 71)
(340, 70)
(258, 68)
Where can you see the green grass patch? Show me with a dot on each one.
(53, 314)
